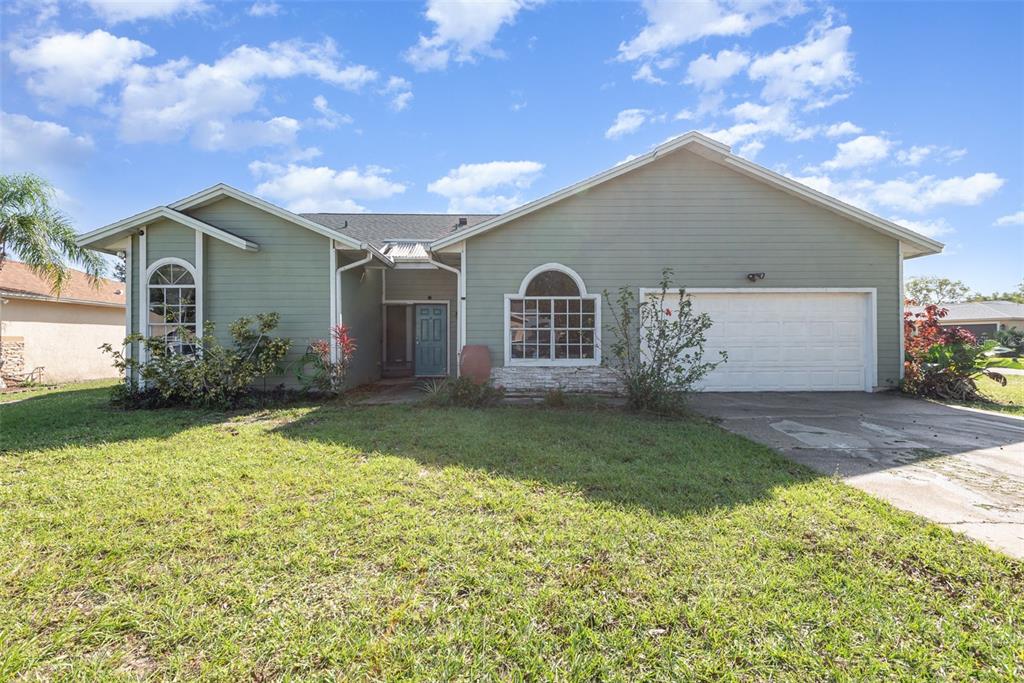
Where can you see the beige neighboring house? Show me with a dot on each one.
(982, 318)
(61, 334)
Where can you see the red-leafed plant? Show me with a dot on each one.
(328, 372)
(942, 362)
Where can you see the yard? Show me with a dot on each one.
(409, 542)
(1008, 399)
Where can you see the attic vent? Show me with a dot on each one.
(463, 221)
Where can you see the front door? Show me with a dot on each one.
(431, 340)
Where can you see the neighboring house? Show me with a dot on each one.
(61, 334)
(804, 290)
(982, 318)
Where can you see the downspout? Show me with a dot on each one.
(458, 288)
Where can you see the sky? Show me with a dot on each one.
(912, 110)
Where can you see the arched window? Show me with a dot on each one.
(172, 305)
(552, 320)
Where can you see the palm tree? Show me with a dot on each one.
(38, 233)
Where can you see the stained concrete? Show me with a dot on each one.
(960, 468)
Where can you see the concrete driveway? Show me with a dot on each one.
(961, 468)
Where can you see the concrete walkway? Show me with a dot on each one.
(961, 468)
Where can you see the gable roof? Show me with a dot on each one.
(380, 228)
(980, 310)
(18, 281)
(156, 213)
(913, 243)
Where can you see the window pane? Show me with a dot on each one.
(516, 306)
(517, 350)
(552, 283)
(588, 305)
(156, 295)
(172, 296)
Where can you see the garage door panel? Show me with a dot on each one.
(785, 341)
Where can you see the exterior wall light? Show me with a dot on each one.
(754, 277)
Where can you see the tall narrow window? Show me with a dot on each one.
(172, 307)
(553, 321)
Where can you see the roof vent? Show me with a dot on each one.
(463, 221)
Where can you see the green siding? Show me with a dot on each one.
(421, 284)
(361, 311)
(290, 274)
(710, 224)
(167, 239)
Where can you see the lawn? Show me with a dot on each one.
(1008, 399)
(399, 542)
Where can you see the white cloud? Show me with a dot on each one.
(321, 188)
(671, 23)
(400, 91)
(30, 145)
(915, 155)
(818, 64)
(329, 118)
(838, 130)
(928, 228)
(759, 120)
(264, 8)
(751, 149)
(916, 195)
(169, 101)
(646, 74)
(863, 150)
(627, 121)
(463, 30)
(234, 135)
(707, 72)
(683, 115)
(482, 188)
(114, 11)
(1011, 219)
(73, 68)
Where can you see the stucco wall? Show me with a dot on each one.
(64, 338)
(711, 224)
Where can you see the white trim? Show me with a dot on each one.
(200, 316)
(871, 324)
(219, 190)
(552, 362)
(128, 304)
(553, 266)
(461, 307)
(718, 153)
(158, 212)
(45, 298)
(459, 287)
(334, 285)
(143, 303)
(903, 306)
(415, 302)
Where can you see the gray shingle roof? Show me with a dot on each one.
(378, 228)
(980, 310)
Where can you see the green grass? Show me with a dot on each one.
(392, 543)
(1008, 399)
(1014, 363)
(13, 395)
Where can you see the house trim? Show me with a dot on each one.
(142, 219)
(721, 154)
(414, 302)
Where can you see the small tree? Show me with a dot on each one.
(328, 374)
(930, 289)
(658, 352)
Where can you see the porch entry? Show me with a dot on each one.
(415, 339)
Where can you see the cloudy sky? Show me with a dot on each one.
(913, 111)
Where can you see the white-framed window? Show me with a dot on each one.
(171, 297)
(552, 320)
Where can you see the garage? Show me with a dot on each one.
(788, 340)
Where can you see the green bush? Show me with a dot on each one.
(1012, 339)
(212, 376)
(659, 353)
(463, 393)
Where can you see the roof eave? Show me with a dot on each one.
(132, 223)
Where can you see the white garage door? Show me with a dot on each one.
(788, 340)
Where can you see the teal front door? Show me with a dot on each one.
(431, 340)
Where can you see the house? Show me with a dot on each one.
(59, 334)
(982, 318)
(804, 290)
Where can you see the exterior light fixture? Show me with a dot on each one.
(754, 277)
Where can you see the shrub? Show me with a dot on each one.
(556, 398)
(943, 363)
(213, 376)
(1012, 339)
(462, 392)
(328, 375)
(658, 353)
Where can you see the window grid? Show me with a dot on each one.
(172, 308)
(552, 327)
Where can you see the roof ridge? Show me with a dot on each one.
(391, 213)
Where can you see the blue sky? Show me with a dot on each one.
(914, 111)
